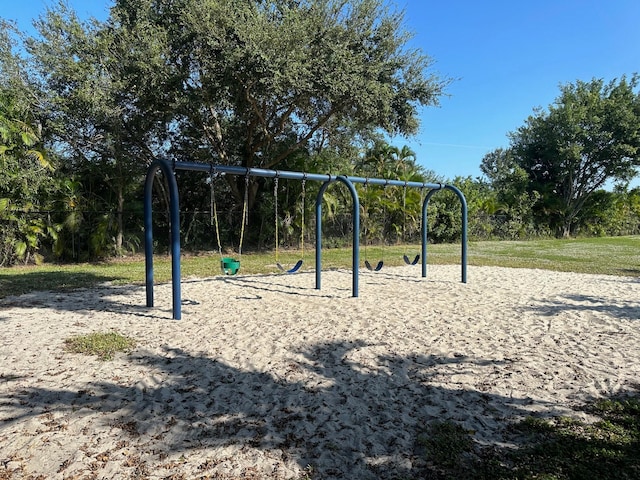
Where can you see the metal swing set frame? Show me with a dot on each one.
(299, 263)
(169, 168)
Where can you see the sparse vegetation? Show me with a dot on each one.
(102, 344)
(445, 443)
(548, 449)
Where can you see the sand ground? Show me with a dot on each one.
(266, 377)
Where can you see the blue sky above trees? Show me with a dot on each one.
(506, 59)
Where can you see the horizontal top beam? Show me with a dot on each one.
(290, 175)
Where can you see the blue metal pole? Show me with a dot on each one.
(174, 207)
(175, 243)
(464, 213)
(356, 233)
(425, 227)
(323, 188)
(464, 241)
(289, 175)
(148, 232)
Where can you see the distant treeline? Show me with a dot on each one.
(85, 107)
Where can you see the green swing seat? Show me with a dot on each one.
(229, 266)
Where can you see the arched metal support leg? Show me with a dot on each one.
(174, 207)
(356, 232)
(464, 214)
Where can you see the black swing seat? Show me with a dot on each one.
(370, 267)
(408, 261)
(293, 269)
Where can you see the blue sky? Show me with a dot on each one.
(506, 58)
(509, 57)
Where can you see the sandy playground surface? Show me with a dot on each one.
(266, 377)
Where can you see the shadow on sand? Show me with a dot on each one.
(344, 417)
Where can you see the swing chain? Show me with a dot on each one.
(214, 209)
(275, 201)
(277, 238)
(404, 212)
(304, 181)
(245, 217)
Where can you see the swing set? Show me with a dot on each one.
(366, 229)
(299, 263)
(232, 265)
(228, 265)
(366, 222)
(406, 258)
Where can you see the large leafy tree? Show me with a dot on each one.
(254, 83)
(589, 136)
(251, 82)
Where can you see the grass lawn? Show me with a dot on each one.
(610, 256)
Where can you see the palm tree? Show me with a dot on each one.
(25, 181)
(19, 138)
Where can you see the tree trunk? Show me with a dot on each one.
(120, 221)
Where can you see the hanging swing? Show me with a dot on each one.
(407, 260)
(297, 266)
(367, 264)
(228, 265)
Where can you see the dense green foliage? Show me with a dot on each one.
(259, 84)
(560, 157)
(26, 183)
(314, 86)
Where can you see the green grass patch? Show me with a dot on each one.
(610, 256)
(559, 448)
(21, 280)
(444, 444)
(568, 449)
(104, 345)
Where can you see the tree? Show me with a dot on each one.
(611, 213)
(513, 199)
(89, 72)
(20, 131)
(27, 181)
(589, 136)
(251, 82)
(392, 212)
(26, 185)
